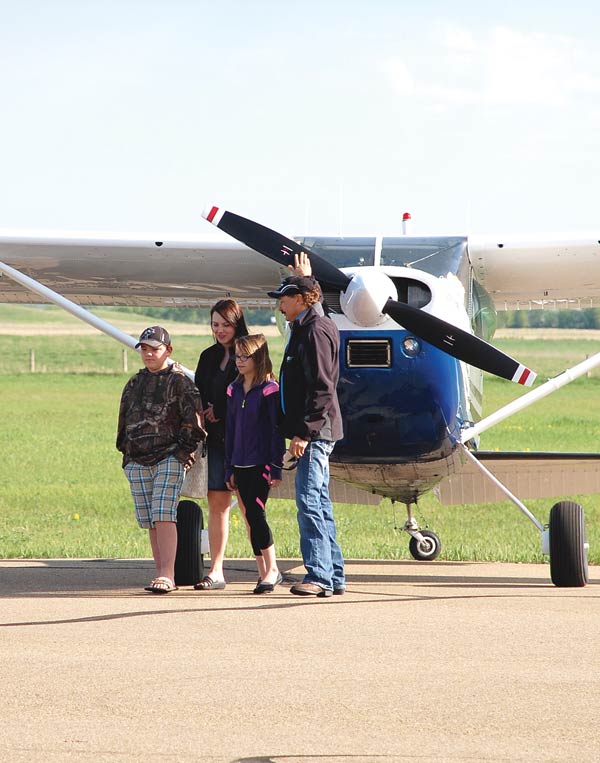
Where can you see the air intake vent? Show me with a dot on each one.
(332, 300)
(368, 353)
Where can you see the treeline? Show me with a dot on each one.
(196, 315)
(559, 319)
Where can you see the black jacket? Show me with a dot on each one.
(308, 380)
(207, 369)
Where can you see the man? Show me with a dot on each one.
(311, 419)
(160, 426)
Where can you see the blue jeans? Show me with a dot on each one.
(320, 551)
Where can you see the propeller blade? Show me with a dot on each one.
(458, 343)
(274, 245)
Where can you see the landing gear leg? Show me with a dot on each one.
(563, 538)
(424, 545)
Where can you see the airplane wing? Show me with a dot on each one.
(165, 270)
(527, 474)
(114, 269)
(532, 272)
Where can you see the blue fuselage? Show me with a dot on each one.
(405, 412)
(402, 409)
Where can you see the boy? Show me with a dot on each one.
(160, 426)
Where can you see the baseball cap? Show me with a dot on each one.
(154, 336)
(293, 285)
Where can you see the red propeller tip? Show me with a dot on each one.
(212, 214)
(524, 375)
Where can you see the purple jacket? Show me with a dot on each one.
(251, 436)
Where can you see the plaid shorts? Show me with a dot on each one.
(155, 490)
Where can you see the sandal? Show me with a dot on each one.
(208, 584)
(162, 585)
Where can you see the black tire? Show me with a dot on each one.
(426, 550)
(189, 564)
(568, 553)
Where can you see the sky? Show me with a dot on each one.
(311, 117)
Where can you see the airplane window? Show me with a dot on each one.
(343, 252)
(437, 256)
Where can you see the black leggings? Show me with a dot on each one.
(252, 483)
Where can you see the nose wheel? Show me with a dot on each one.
(425, 548)
(424, 545)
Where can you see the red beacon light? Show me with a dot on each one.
(405, 218)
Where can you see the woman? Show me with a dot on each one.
(216, 370)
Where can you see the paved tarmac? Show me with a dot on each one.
(417, 662)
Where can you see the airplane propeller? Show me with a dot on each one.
(445, 336)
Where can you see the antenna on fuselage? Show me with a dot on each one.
(405, 218)
(341, 208)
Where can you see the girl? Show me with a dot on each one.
(216, 370)
(254, 449)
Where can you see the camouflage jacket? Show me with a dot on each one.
(160, 415)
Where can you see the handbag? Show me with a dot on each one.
(195, 482)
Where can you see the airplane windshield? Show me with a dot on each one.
(434, 255)
(343, 252)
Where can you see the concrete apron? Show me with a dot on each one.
(417, 662)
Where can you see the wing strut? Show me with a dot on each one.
(519, 504)
(76, 310)
(566, 377)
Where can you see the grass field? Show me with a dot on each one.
(62, 493)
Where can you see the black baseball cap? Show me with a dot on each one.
(154, 336)
(294, 285)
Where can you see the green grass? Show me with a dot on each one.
(59, 461)
(24, 314)
(32, 314)
(96, 354)
(549, 357)
(568, 419)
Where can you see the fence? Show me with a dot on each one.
(43, 369)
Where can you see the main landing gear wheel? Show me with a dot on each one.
(189, 564)
(425, 550)
(568, 549)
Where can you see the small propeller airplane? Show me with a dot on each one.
(415, 316)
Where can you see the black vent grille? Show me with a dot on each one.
(332, 300)
(368, 353)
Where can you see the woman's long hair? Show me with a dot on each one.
(231, 312)
(256, 347)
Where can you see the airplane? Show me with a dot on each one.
(415, 315)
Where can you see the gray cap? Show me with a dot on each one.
(154, 336)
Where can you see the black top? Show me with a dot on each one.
(212, 381)
(308, 379)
